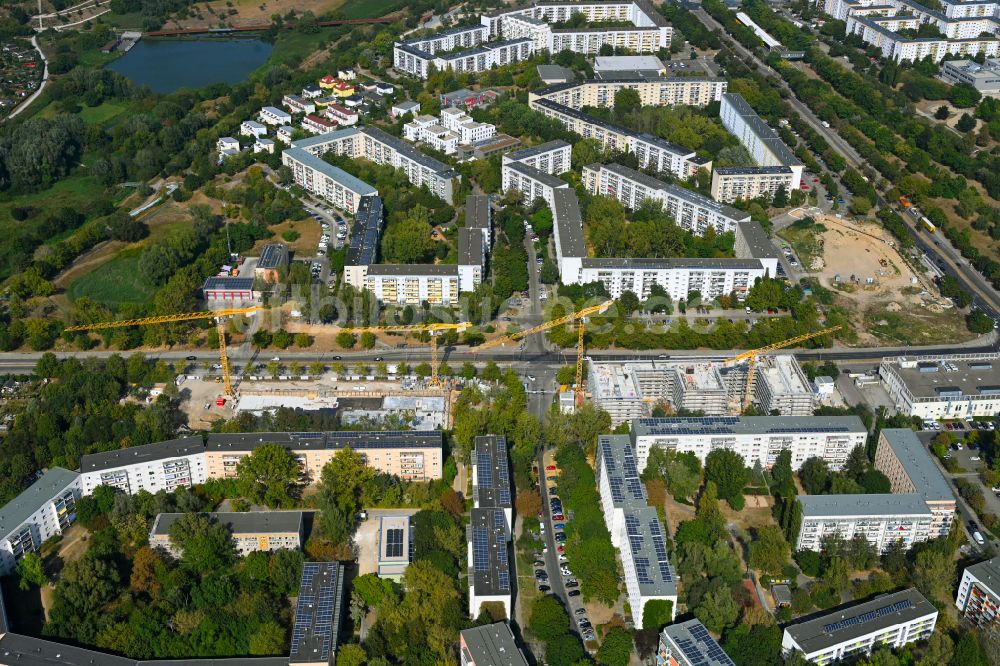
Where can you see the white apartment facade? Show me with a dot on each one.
(425, 129)
(270, 115)
(552, 157)
(663, 91)
(333, 184)
(882, 519)
(764, 146)
(485, 56)
(462, 124)
(690, 210)
(44, 510)
(253, 128)
(731, 184)
(757, 439)
(154, 467)
(978, 598)
(530, 182)
(678, 277)
(413, 284)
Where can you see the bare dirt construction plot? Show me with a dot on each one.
(892, 302)
(237, 13)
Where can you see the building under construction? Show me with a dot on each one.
(631, 389)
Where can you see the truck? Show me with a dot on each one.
(905, 202)
(928, 225)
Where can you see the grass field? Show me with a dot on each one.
(805, 241)
(114, 283)
(98, 115)
(353, 9)
(915, 327)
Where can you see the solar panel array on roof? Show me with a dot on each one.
(869, 616)
(492, 480)
(394, 542)
(365, 233)
(480, 549)
(317, 613)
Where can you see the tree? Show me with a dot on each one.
(566, 375)
(269, 475)
(657, 613)
(780, 197)
(942, 112)
(729, 473)
(303, 340)
(346, 340)
(616, 650)
(933, 573)
(718, 610)
(145, 566)
(769, 552)
(372, 589)
(681, 472)
(861, 205)
(528, 503)
(548, 618)
(31, 571)
(367, 340)
(781, 472)
(351, 654)
(564, 650)
(268, 639)
(627, 101)
(814, 475)
(967, 652)
(978, 322)
(409, 240)
(205, 544)
(965, 123)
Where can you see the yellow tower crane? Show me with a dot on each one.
(578, 317)
(218, 315)
(433, 329)
(751, 357)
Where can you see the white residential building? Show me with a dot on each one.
(882, 519)
(154, 467)
(757, 439)
(690, 210)
(491, 488)
(530, 182)
(735, 183)
(690, 644)
(426, 129)
(978, 598)
(333, 184)
(552, 157)
(342, 115)
(400, 109)
(253, 128)
(251, 531)
(296, 104)
(890, 620)
(413, 284)
(948, 386)
(468, 130)
(489, 561)
(284, 134)
(635, 527)
(659, 91)
(227, 146)
(410, 58)
(270, 115)
(39, 513)
(764, 146)
(264, 146)
(318, 125)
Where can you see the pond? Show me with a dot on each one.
(169, 65)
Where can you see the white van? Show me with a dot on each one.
(979, 538)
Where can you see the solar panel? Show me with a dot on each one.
(642, 571)
(505, 496)
(498, 520)
(504, 580)
(617, 491)
(868, 616)
(394, 542)
(484, 470)
(480, 549)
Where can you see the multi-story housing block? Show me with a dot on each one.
(153, 467)
(690, 644)
(332, 183)
(413, 284)
(44, 510)
(978, 598)
(552, 157)
(251, 531)
(883, 520)
(764, 146)
(530, 182)
(661, 91)
(734, 183)
(907, 463)
(489, 645)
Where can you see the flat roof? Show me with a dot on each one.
(394, 539)
(752, 170)
(697, 263)
(761, 129)
(988, 573)
(617, 463)
(491, 645)
(15, 512)
(298, 441)
(134, 455)
(627, 63)
(228, 282)
(532, 151)
(247, 522)
(334, 173)
(851, 623)
(413, 270)
(470, 247)
(916, 461)
(536, 174)
(275, 111)
(932, 376)
(694, 644)
(369, 220)
(403, 148)
(477, 211)
(490, 566)
(569, 223)
(273, 255)
(549, 72)
(325, 137)
(673, 190)
(745, 425)
(756, 240)
(491, 483)
(829, 506)
(317, 613)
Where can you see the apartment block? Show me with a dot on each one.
(655, 91)
(781, 386)
(413, 284)
(530, 182)
(764, 146)
(489, 561)
(487, 55)
(491, 487)
(153, 467)
(366, 233)
(251, 531)
(635, 527)
(731, 184)
(333, 184)
(690, 644)
(757, 439)
(471, 259)
(882, 519)
(44, 510)
(415, 455)
(947, 386)
(978, 598)
(270, 115)
(465, 36)
(316, 632)
(890, 620)
(552, 157)
(426, 129)
(907, 463)
(690, 210)
(489, 645)
(462, 124)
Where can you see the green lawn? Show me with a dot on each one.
(102, 113)
(355, 9)
(114, 283)
(293, 46)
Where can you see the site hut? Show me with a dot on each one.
(316, 632)
(225, 291)
(892, 620)
(489, 645)
(251, 531)
(366, 233)
(978, 598)
(757, 439)
(690, 644)
(153, 467)
(46, 509)
(951, 386)
(489, 563)
(272, 262)
(491, 477)
(395, 546)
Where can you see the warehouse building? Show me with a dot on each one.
(690, 644)
(978, 599)
(152, 467)
(252, 531)
(489, 645)
(44, 510)
(950, 386)
(757, 439)
(890, 620)
(635, 527)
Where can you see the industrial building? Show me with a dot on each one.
(690, 644)
(252, 531)
(152, 467)
(978, 598)
(690, 210)
(907, 463)
(635, 527)
(366, 233)
(491, 476)
(653, 90)
(489, 645)
(395, 546)
(316, 631)
(224, 291)
(892, 620)
(44, 510)
(757, 439)
(764, 146)
(950, 386)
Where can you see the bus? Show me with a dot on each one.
(928, 225)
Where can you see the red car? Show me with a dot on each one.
(560, 549)
(550, 468)
(815, 180)
(804, 186)
(558, 517)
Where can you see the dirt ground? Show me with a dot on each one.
(305, 245)
(198, 402)
(756, 513)
(247, 12)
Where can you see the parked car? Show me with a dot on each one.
(573, 593)
(550, 468)
(559, 526)
(558, 516)
(544, 588)
(580, 611)
(573, 584)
